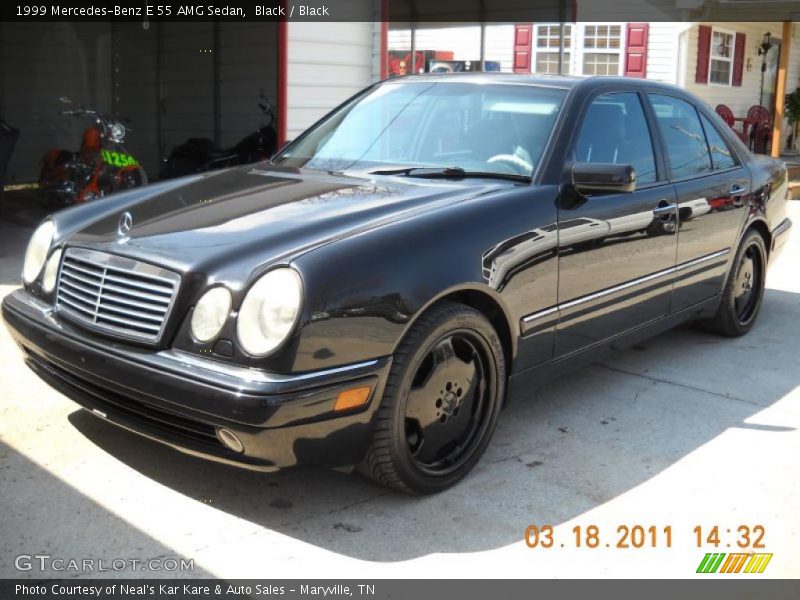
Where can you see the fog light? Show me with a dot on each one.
(352, 398)
(229, 440)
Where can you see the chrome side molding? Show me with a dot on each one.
(623, 286)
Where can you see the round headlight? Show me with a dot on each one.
(37, 251)
(51, 271)
(210, 314)
(117, 132)
(269, 311)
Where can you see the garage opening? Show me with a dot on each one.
(168, 82)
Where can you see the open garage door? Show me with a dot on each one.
(174, 81)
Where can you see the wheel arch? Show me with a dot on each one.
(487, 302)
(760, 225)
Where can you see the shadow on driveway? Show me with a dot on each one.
(577, 443)
(33, 500)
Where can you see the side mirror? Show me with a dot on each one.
(603, 178)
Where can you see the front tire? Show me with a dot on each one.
(744, 289)
(441, 403)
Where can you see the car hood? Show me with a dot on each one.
(209, 221)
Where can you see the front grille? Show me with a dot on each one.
(115, 294)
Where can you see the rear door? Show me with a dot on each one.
(616, 251)
(712, 186)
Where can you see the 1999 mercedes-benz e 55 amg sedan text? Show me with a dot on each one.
(374, 294)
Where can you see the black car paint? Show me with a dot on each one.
(373, 254)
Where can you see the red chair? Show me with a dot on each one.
(727, 115)
(761, 135)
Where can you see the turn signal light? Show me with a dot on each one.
(352, 398)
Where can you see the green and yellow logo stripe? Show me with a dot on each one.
(721, 562)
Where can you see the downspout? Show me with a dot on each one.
(282, 111)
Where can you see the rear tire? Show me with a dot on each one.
(744, 289)
(441, 403)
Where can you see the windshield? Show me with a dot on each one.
(485, 128)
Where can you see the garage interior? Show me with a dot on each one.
(173, 81)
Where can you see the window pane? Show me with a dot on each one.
(600, 64)
(547, 63)
(615, 131)
(683, 135)
(549, 36)
(720, 72)
(722, 44)
(602, 36)
(721, 156)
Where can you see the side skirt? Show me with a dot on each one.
(525, 381)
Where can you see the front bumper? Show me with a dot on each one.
(182, 400)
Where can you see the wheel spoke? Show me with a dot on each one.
(442, 402)
(747, 284)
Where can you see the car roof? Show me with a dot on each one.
(559, 81)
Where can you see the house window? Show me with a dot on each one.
(602, 49)
(548, 40)
(721, 57)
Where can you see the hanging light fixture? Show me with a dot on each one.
(766, 44)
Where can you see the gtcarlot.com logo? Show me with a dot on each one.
(47, 562)
(722, 562)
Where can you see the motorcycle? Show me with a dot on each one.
(197, 155)
(101, 167)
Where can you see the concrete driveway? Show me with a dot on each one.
(684, 430)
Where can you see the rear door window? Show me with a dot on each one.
(721, 156)
(684, 138)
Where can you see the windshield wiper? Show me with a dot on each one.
(448, 173)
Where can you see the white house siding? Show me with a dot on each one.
(464, 42)
(663, 55)
(739, 98)
(325, 66)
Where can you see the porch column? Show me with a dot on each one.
(780, 88)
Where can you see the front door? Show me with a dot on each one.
(616, 251)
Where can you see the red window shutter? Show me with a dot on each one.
(738, 60)
(703, 54)
(636, 50)
(523, 38)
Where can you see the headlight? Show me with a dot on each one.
(210, 314)
(117, 132)
(51, 271)
(269, 311)
(37, 251)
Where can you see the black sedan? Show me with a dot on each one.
(376, 293)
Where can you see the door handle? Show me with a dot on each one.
(738, 190)
(665, 209)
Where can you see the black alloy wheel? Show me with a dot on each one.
(441, 402)
(744, 289)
